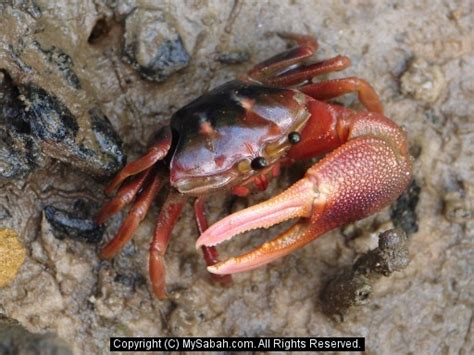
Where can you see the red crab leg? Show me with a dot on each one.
(307, 45)
(135, 216)
(363, 175)
(167, 219)
(157, 152)
(308, 72)
(210, 253)
(124, 196)
(330, 89)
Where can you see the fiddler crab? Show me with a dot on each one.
(236, 137)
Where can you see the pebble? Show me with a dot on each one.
(423, 81)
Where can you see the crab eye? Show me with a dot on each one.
(294, 137)
(259, 163)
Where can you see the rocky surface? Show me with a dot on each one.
(45, 98)
(15, 339)
(419, 57)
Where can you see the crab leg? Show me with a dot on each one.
(124, 196)
(167, 219)
(360, 177)
(157, 152)
(135, 216)
(330, 89)
(307, 45)
(210, 253)
(299, 75)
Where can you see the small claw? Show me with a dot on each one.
(297, 201)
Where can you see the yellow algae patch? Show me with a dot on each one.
(12, 255)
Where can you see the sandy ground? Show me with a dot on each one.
(419, 57)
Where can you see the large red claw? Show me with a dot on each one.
(352, 182)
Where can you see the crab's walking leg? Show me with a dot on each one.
(286, 69)
(210, 253)
(361, 176)
(307, 72)
(330, 89)
(124, 196)
(157, 152)
(167, 219)
(135, 216)
(307, 45)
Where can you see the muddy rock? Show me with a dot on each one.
(72, 225)
(49, 119)
(57, 130)
(53, 104)
(153, 46)
(19, 151)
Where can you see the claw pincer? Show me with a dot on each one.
(236, 137)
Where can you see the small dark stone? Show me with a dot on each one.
(403, 212)
(233, 57)
(153, 46)
(67, 225)
(50, 119)
(391, 239)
